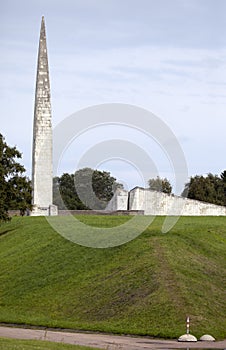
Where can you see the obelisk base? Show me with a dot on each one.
(51, 210)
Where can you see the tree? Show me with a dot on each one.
(86, 189)
(160, 185)
(223, 179)
(210, 188)
(15, 188)
(64, 193)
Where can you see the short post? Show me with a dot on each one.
(188, 324)
(187, 337)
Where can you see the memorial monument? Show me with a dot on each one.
(138, 199)
(42, 173)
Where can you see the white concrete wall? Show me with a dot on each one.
(158, 203)
(119, 201)
(137, 199)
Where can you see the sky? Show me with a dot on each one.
(166, 56)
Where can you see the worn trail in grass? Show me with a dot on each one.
(146, 286)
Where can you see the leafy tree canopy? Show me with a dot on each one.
(210, 188)
(86, 189)
(160, 185)
(15, 188)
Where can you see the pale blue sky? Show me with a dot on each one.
(168, 56)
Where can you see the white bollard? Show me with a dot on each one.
(187, 337)
(188, 324)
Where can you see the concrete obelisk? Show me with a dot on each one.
(42, 174)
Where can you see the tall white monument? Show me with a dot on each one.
(42, 173)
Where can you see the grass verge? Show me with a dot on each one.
(18, 344)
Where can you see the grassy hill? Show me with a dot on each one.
(146, 286)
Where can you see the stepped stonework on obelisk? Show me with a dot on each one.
(42, 174)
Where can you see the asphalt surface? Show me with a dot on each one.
(106, 341)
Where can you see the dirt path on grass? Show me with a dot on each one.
(105, 341)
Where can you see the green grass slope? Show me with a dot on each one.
(18, 344)
(147, 286)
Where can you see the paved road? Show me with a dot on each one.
(105, 341)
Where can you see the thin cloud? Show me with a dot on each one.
(166, 56)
